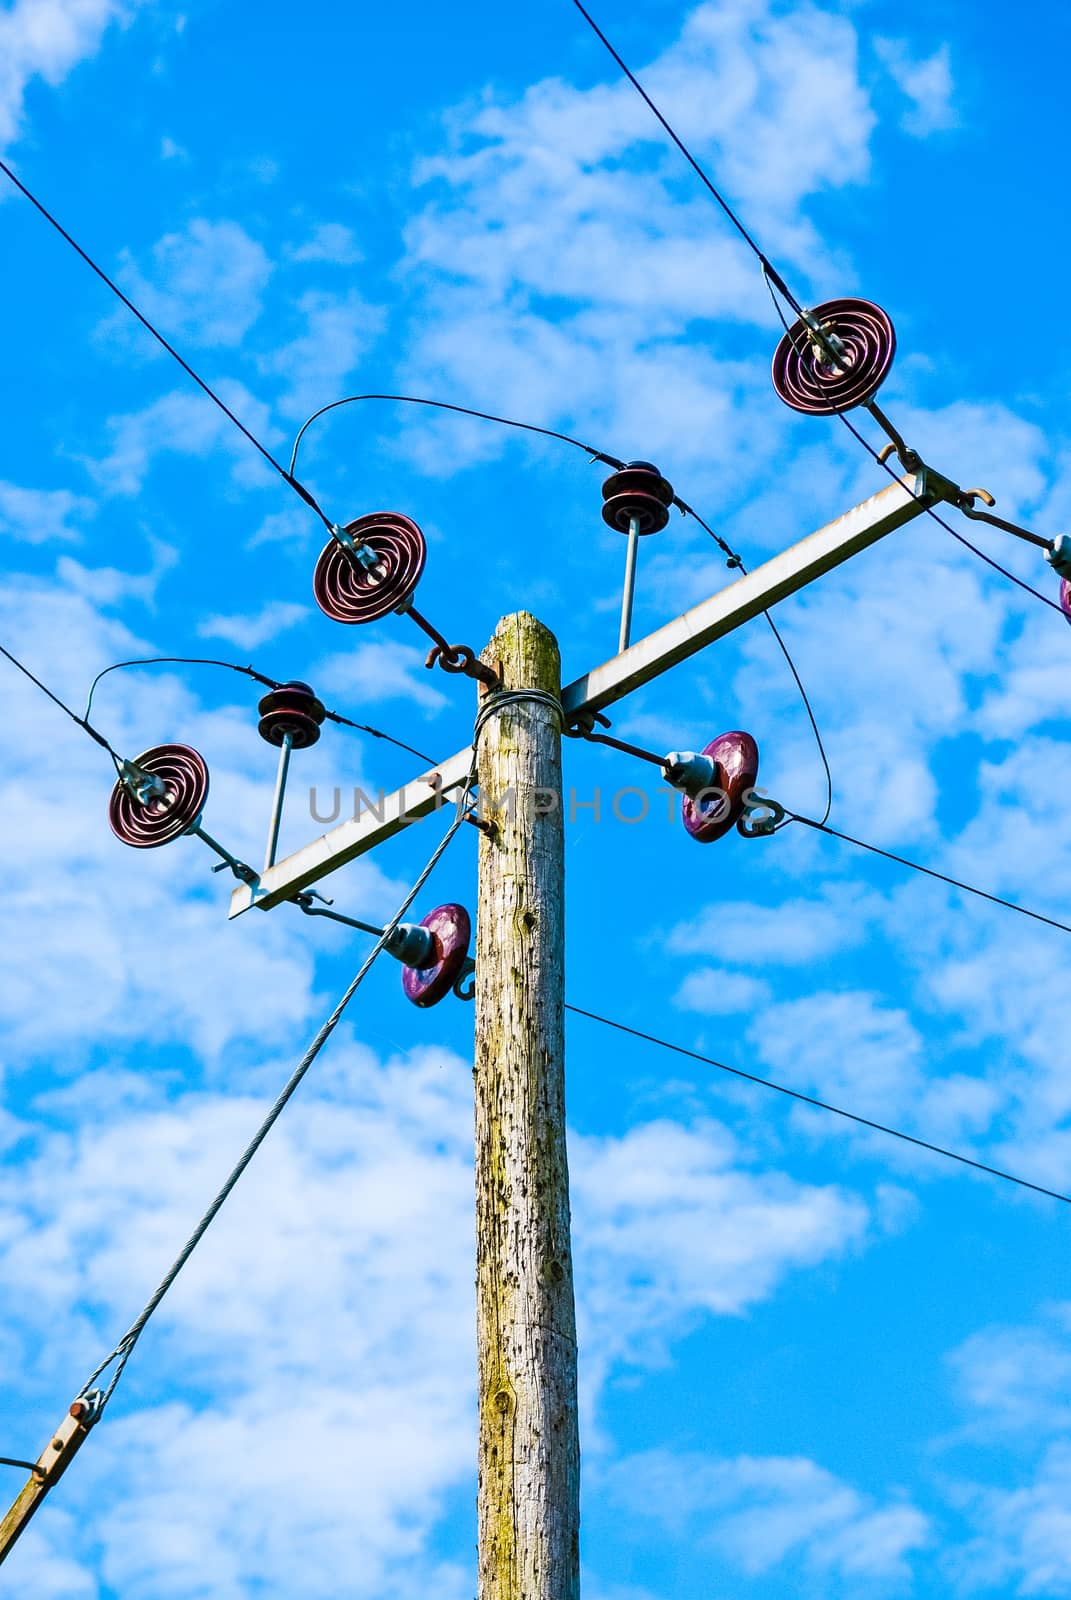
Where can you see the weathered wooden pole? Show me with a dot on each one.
(529, 1466)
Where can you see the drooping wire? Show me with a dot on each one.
(287, 477)
(82, 722)
(124, 1349)
(821, 1105)
(463, 411)
(734, 560)
(187, 661)
(929, 872)
(260, 677)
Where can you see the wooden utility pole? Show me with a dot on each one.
(529, 1462)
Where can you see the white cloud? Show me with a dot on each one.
(763, 1511)
(926, 83)
(42, 516)
(668, 1224)
(716, 992)
(566, 254)
(847, 1047)
(183, 423)
(291, 527)
(1017, 1379)
(205, 285)
(331, 242)
(375, 672)
(1024, 1541)
(46, 38)
(794, 933)
(338, 330)
(248, 631)
(107, 586)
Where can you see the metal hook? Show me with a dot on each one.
(762, 827)
(468, 971)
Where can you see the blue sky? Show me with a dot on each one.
(813, 1361)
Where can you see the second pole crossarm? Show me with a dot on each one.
(714, 618)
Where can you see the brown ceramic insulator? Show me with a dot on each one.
(809, 380)
(451, 930)
(638, 490)
(736, 769)
(165, 817)
(291, 709)
(347, 592)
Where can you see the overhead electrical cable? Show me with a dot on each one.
(693, 163)
(463, 411)
(929, 872)
(877, 456)
(82, 722)
(821, 1105)
(270, 683)
(733, 560)
(287, 477)
(973, 548)
(120, 1355)
(775, 280)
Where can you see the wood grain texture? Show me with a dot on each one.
(529, 1468)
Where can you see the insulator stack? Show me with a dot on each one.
(291, 709)
(638, 491)
(809, 379)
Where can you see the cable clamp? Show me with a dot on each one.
(362, 554)
(144, 786)
(1059, 556)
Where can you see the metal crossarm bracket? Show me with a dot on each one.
(712, 619)
(49, 1467)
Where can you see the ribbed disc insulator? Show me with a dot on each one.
(347, 592)
(291, 709)
(637, 490)
(736, 769)
(451, 929)
(158, 821)
(808, 380)
(1065, 598)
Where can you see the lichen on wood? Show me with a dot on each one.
(529, 1450)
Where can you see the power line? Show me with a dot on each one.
(693, 163)
(287, 477)
(930, 872)
(973, 548)
(123, 1350)
(81, 721)
(821, 1105)
(463, 411)
(884, 465)
(734, 560)
(260, 677)
(774, 279)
